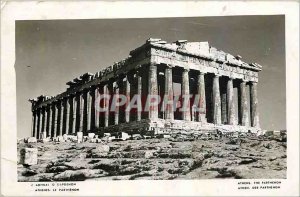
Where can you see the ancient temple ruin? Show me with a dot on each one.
(218, 89)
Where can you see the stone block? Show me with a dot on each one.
(79, 137)
(44, 140)
(60, 138)
(91, 135)
(125, 136)
(31, 140)
(102, 148)
(28, 156)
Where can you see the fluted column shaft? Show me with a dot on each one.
(254, 105)
(139, 93)
(243, 110)
(216, 101)
(230, 103)
(117, 111)
(66, 115)
(127, 94)
(185, 92)
(48, 121)
(84, 111)
(202, 97)
(169, 113)
(106, 105)
(78, 126)
(34, 123)
(152, 90)
(59, 118)
(92, 109)
(71, 115)
(38, 130)
(53, 121)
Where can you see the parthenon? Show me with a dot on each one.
(218, 89)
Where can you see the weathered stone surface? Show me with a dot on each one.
(28, 156)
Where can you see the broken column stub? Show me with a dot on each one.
(28, 156)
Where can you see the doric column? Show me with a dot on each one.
(78, 121)
(71, 115)
(66, 115)
(43, 114)
(153, 90)
(223, 92)
(117, 111)
(98, 104)
(34, 123)
(139, 93)
(106, 105)
(59, 118)
(243, 104)
(84, 111)
(254, 105)
(168, 97)
(230, 103)
(216, 101)
(48, 121)
(38, 127)
(53, 122)
(127, 94)
(92, 108)
(202, 102)
(185, 93)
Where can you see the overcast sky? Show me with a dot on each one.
(50, 53)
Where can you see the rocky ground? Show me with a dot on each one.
(154, 159)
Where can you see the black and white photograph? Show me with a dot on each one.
(158, 98)
(179, 100)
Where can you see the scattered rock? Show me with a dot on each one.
(29, 172)
(149, 154)
(247, 161)
(272, 158)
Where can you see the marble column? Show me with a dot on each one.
(59, 118)
(216, 101)
(153, 90)
(43, 114)
(53, 122)
(223, 92)
(202, 102)
(92, 113)
(98, 104)
(34, 123)
(48, 121)
(106, 105)
(139, 93)
(66, 115)
(168, 97)
(185, 93)
(243, 109)
(78, 127)
(254, 105)
(230, 103)
(38, 130)
(71, 115)
(84, 111)
(117, 108)
(127, 94)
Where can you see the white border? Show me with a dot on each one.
(32, 10)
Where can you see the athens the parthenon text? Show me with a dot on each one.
(161, 87)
